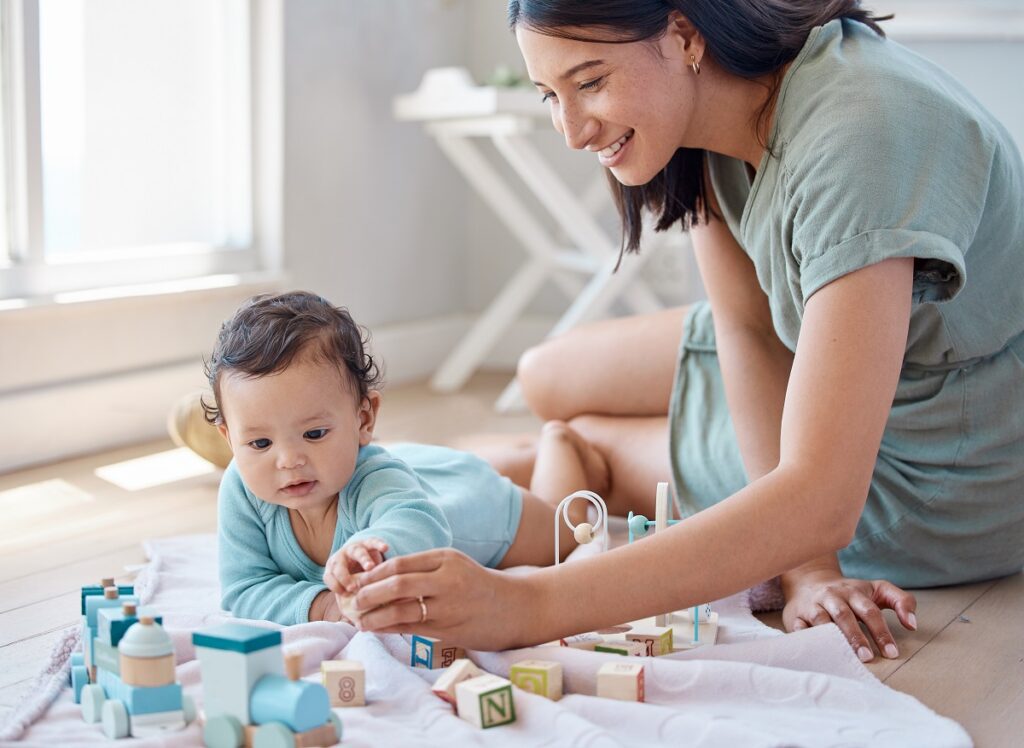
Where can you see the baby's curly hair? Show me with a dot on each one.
(268, 331)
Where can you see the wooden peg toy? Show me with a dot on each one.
(345, 681)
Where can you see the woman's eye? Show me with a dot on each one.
(315, 434)
(547, 97)
(591, 84)
(259, 443)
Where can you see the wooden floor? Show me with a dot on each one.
(64, 526)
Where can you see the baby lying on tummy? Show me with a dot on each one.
(307, 491)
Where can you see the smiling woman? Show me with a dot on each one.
(845, 410)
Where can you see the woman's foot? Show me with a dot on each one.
(188, 427)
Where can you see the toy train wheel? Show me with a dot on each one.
(273, 735)
(92, 702)
(335, 720)
(79, 680)
(223, 731)
(115, 719)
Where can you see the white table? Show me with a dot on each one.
(459, 114)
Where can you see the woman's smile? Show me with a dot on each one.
(613, 154)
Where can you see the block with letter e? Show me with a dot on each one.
(432, 653)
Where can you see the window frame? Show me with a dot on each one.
(26, 274)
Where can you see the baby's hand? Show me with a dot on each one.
(341, 568)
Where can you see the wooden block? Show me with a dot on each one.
(486, 701)
(621, 680)
(458, 671)
(541, 677)
(432, 653)
(107, 656)
(582, 641)
(629, 648)
(657, 641)
(345, 681)
(147, 671)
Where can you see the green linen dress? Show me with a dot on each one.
(877, 153)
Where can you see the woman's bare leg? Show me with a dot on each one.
(619, 367)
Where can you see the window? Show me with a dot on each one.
(128, 142)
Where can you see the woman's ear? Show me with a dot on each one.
(368, 411)
(683, 38)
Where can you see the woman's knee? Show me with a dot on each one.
(542, 382)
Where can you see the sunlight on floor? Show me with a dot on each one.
(155, 470)
(39, 499)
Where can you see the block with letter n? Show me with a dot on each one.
(486, 701)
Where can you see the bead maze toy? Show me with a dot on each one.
(657, 635)
(584, 532)
(247, 698)
(124, 676)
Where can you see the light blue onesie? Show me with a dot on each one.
(413, 496)
(877, 153)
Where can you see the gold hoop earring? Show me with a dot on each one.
(694, 64)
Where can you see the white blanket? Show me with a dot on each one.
(756, 687)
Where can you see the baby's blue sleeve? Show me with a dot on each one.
(389, 502)
(251, 583)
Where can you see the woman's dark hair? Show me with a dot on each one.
(269, 331)
(748, 38)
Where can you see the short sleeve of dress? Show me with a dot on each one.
(887, 180)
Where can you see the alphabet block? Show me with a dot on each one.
(636, 649)
(345, 681)
(582, 641)
(432, 653)
(541, 677)
(621, 680)
(486, 701)
(457, 672)
(656, 641)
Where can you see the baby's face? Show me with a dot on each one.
(296, 434)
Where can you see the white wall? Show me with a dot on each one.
(373, 212)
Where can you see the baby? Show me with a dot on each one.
(308, 492)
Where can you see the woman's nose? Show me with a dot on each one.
(576, 128)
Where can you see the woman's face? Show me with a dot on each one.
(630, 104)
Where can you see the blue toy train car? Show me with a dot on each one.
(124, 676)
(248, 700)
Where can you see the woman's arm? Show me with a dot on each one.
(756, 368)
(840, 389)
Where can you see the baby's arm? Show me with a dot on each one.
(252, 585)
(389, 503)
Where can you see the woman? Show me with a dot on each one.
(851, 388)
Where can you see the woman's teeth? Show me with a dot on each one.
(616, 146)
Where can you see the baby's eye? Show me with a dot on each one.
(315, 434)
(259, 443)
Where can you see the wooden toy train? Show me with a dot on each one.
(124, 675)
(248, 700)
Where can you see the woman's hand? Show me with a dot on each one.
(361, 555)
(824, 595)
(465, 603)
